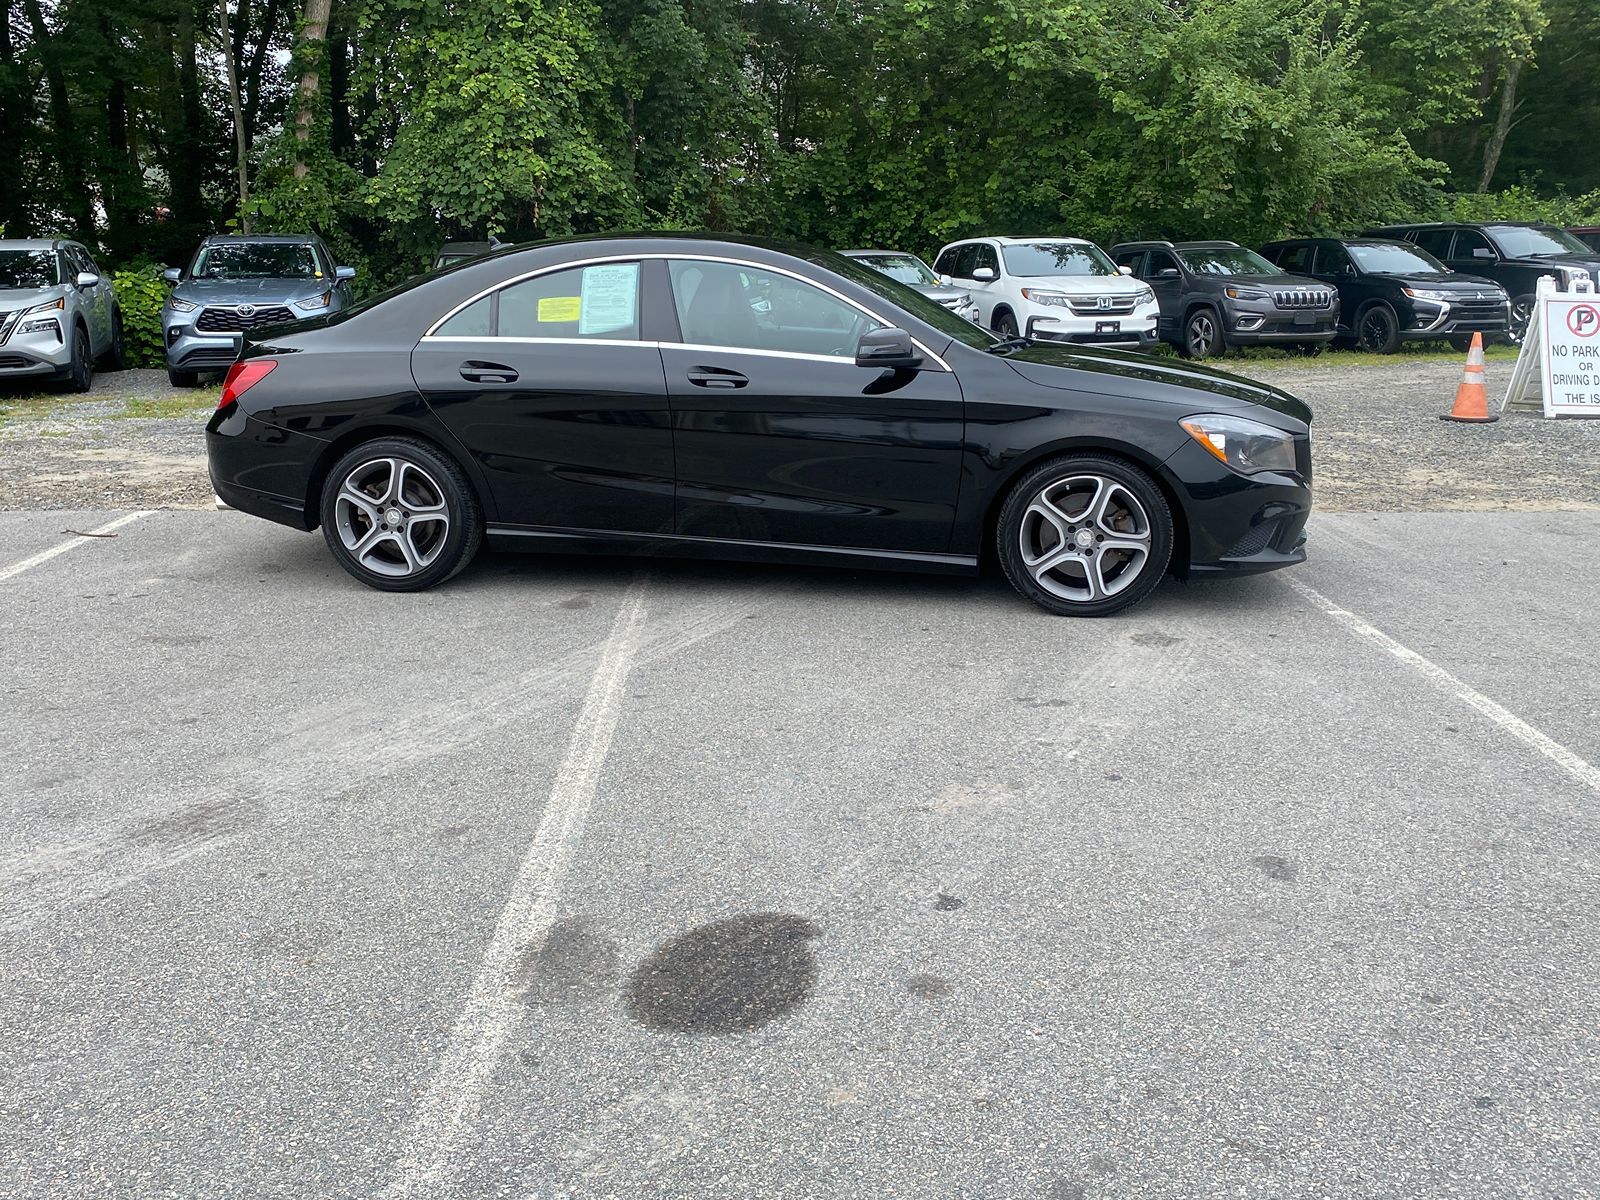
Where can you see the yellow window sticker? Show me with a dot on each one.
(559, 309)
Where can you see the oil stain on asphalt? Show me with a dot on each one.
(730, 975)
(1275, 867)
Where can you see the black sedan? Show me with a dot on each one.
(732, 398)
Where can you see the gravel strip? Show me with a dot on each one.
(1380, 446)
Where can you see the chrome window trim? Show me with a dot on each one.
(537, 341)
(430, 336)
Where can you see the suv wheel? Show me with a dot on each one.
(183, 379)
(1085, 536)
(1521, 315)
(1202, 334)
(115, 357)
(1378, 330)
(399, 515)
(80, 375)
(1005, 325)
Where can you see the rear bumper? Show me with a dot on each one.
(261, 469)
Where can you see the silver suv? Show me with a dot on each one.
(58, 314)
(238, 283)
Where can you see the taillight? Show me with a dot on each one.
(243, 376)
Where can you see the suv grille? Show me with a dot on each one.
(232, 320)
(6, 321)
(1086, 306)
(1303, 298)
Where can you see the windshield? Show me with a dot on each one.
(914, 302)
(1519, 241)
(28, 269)
(1396, 260)
(1033, 259)
(907, 268)
(1227, 260)
(243, 260)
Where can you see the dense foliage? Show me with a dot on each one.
(391, 125)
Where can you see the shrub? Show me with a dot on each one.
(141, 292)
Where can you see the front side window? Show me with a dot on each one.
(29, 269)
(1472, 244)
(1295, 257)
(1034, 259)
(1333, 260)
(257, 260)
(1434, 241)
(986, 258)
(599, 301)
(1160, 261)
(1227, 260)
(744, 307)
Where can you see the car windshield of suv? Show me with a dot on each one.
(245, 260)
(1396, 260)
(1518, 241)
(913, 301)
(28, 269)
(907, 268)
(1033, 259)
(1227, 260)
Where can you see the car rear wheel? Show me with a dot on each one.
(1087, 535)
(1378, 330)
(1202, 334)
(1521, 316)
(399, 515)
(115, 357)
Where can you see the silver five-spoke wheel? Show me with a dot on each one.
(1085, 538)
(392, 516)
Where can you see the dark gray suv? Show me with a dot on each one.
(1214, 295)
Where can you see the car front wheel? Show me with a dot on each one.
(1086, 536)
(1378, 330)
(1202, 335)
(1005, 325)
(399, 515)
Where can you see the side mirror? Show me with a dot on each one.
(887, 348)
(1167, 273)
(1125, 270)
(172, 274)
(343, 273)
(87, 279)
(1483, 252)
(984, 274)
(944, 281)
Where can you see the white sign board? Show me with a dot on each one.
(1571, 358)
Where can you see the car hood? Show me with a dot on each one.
(1084, 285)
(249, 291)
(1192, 386)
(12, 299)
(940, 293)
(1445, 283)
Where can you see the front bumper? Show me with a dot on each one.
(1263, 323)
(1238, 524)
(1127, 331)
(31, 355)
(190, 350)
(1434, 319)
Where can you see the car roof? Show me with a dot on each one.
(1165, 245)
(295, 239)
(33, 243)
(864, 253)
(474, 246)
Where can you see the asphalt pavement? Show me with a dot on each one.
(597, 878)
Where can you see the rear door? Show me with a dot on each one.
(782, 439)
(551, 387)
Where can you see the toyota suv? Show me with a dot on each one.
(1512, 254)
(58, 314)
(1214, 295)
(238, 284)
(1051, 289)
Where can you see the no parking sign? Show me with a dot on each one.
(1571, 356)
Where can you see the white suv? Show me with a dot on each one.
(1053, 289)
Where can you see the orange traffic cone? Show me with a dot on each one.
(1472, 401)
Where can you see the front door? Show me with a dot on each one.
(781, 438)
(549, 386)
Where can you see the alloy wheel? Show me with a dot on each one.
(1085, 538)
(1521, 316)
(1202, 335)
(392, 517)
(1375, 330)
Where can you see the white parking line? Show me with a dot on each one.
(28, 564)
(1579, 768)
(492, 1010)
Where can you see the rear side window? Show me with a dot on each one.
(599, 301)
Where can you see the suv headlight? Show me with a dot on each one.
(55, 305)
(1434, 294)
(1052, 299)
(1145, 295)
(315, 303)
(180, 305)
(1239, 293)
(1247, 446)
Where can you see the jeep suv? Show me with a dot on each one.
(1392, 292)
(1214, 295)
(1051, 288)
(237, 284)
(58, 314)
(1513, 255)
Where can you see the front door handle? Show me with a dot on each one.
(717, 377)
(487, 372)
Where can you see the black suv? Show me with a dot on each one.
(1392, 292)
(1214, 295)
(1513, 255)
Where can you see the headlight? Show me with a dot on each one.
(55, 305)
(1434, 294)
(1052, 299)
(178, 305)
(1145, 295)
(1239, 293)
(1246, 446)
(315, 302)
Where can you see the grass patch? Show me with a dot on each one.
(178, 405)
(1427, 352)
(28, 408)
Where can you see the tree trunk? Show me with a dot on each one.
(12, 121)
(76, 195)
(340, 134)
(240, 149)
(255, 69)
(189, 140)
(1502, 124)
(313, 32)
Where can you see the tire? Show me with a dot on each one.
(409, 553)
(1042, 514)
(1521, 314)
(1377, 329)
(1462, 343)
(80, 374)
(116, 356)
(1202, 334)
(1005, 325)
(183, 379)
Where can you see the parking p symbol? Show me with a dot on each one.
(1583, 320)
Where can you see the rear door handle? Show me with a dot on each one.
(487, 372)
(717, 377)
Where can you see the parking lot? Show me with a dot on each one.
(592, 878)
